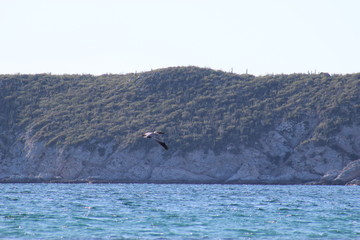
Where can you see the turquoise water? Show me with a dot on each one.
(156, 211)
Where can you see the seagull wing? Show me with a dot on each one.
(162, 144)
(159, 132)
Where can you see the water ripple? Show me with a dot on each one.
(151, 211)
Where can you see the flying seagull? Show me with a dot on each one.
(156, 137)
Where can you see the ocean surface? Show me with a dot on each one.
(176, 211)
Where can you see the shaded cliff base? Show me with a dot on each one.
(20, 179)
(349, 176)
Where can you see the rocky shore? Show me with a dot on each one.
(285, 155)
(349, 175)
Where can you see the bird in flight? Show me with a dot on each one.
(155, 135)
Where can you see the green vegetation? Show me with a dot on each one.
(194, 106)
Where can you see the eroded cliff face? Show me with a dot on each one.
(284, 155)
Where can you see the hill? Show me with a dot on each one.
(198, 108)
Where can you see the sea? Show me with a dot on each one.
(178, 211)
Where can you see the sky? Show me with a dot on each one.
(121, 36)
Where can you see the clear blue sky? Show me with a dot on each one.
(121, 36)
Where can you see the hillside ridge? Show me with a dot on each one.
(179, 100)
(200, 109)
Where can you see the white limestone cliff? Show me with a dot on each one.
(284, 155)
